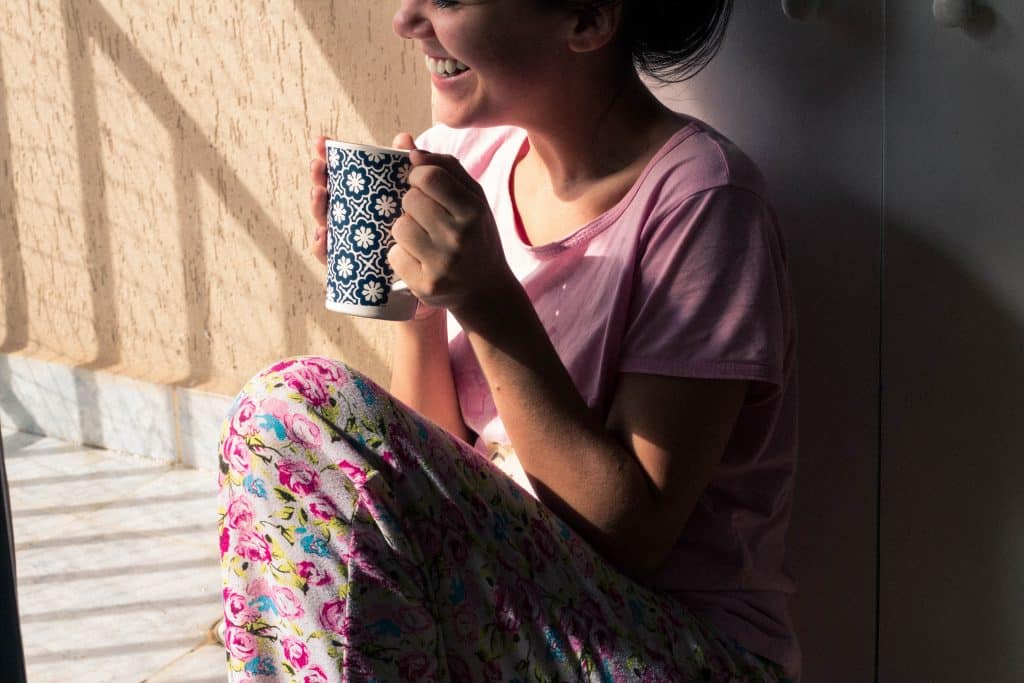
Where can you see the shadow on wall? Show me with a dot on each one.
(951, 468)
(832, 538)
(13, 270)
(347, 58)
(87, 24)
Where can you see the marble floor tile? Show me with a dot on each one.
(124, 661)
(86, 480)
(131, 624)
(125, 583)
(205, 664)
(36, 524)
(181, 499)
(75, 459)
(117, 563)
(200, 415)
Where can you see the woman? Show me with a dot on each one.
(604, 301)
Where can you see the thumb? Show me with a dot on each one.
(403, 141)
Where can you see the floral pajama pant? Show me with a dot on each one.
(361, 542)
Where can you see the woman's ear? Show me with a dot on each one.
(595, 26)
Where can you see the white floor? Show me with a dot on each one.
(117, 560)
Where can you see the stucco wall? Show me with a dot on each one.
(154, 183)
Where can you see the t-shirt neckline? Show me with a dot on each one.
(599, 223)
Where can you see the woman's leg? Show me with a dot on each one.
(361, 542)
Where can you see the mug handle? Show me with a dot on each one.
(401, 291)
(400, 286)
(403, 301)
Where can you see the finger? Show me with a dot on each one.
(411, 236)
(429, 214)
(405, 265)
(318, 205)
(319, 147)
(319, 246)
(318, 172)
(438, 183)
(403, 141)
(450, 164)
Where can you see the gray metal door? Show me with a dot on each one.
(952, 477)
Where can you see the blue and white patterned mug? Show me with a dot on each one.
(365, 186)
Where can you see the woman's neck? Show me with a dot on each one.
(589, 143)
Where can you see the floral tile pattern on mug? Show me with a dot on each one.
(365, 189)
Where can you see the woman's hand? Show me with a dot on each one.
(318, 198)
(447, 247)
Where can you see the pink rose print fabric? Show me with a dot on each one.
(360, 542)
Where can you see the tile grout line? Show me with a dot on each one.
(208, 639)
(179, 454)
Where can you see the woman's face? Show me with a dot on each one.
(515, 52)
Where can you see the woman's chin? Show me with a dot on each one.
(463, 112)
(453, 117)
(458, 118)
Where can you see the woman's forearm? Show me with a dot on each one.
(577, 467)
(421, 375)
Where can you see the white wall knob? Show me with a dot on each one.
(800, 9)
(953, 12)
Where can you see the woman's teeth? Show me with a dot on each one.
(445, 67)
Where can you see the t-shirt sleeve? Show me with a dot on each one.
(710, 295)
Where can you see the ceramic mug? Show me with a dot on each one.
(365, 186)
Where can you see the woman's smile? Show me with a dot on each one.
(446, 73)
(446, 68)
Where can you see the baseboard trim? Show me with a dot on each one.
(95, 408)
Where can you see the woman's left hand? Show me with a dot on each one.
(447, 247)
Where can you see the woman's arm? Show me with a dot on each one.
(421, 374)
(627, 486)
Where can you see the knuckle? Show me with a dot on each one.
(400, 228)
(430, 287)
(409, 198)
(430, 174)
(459, 239)
(416, 176)
(447, 261)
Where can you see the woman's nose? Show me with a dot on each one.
(409, 21)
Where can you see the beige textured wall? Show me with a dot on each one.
(153, 178)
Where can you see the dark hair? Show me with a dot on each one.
(670, 40)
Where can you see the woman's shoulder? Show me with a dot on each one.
(698, 158)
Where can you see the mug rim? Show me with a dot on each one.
(363, 147)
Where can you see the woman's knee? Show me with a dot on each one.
(296, 401)
(315, 383)
(310, 377)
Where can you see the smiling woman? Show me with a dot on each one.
(604, 307)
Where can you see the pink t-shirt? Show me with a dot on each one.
(685, 276)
